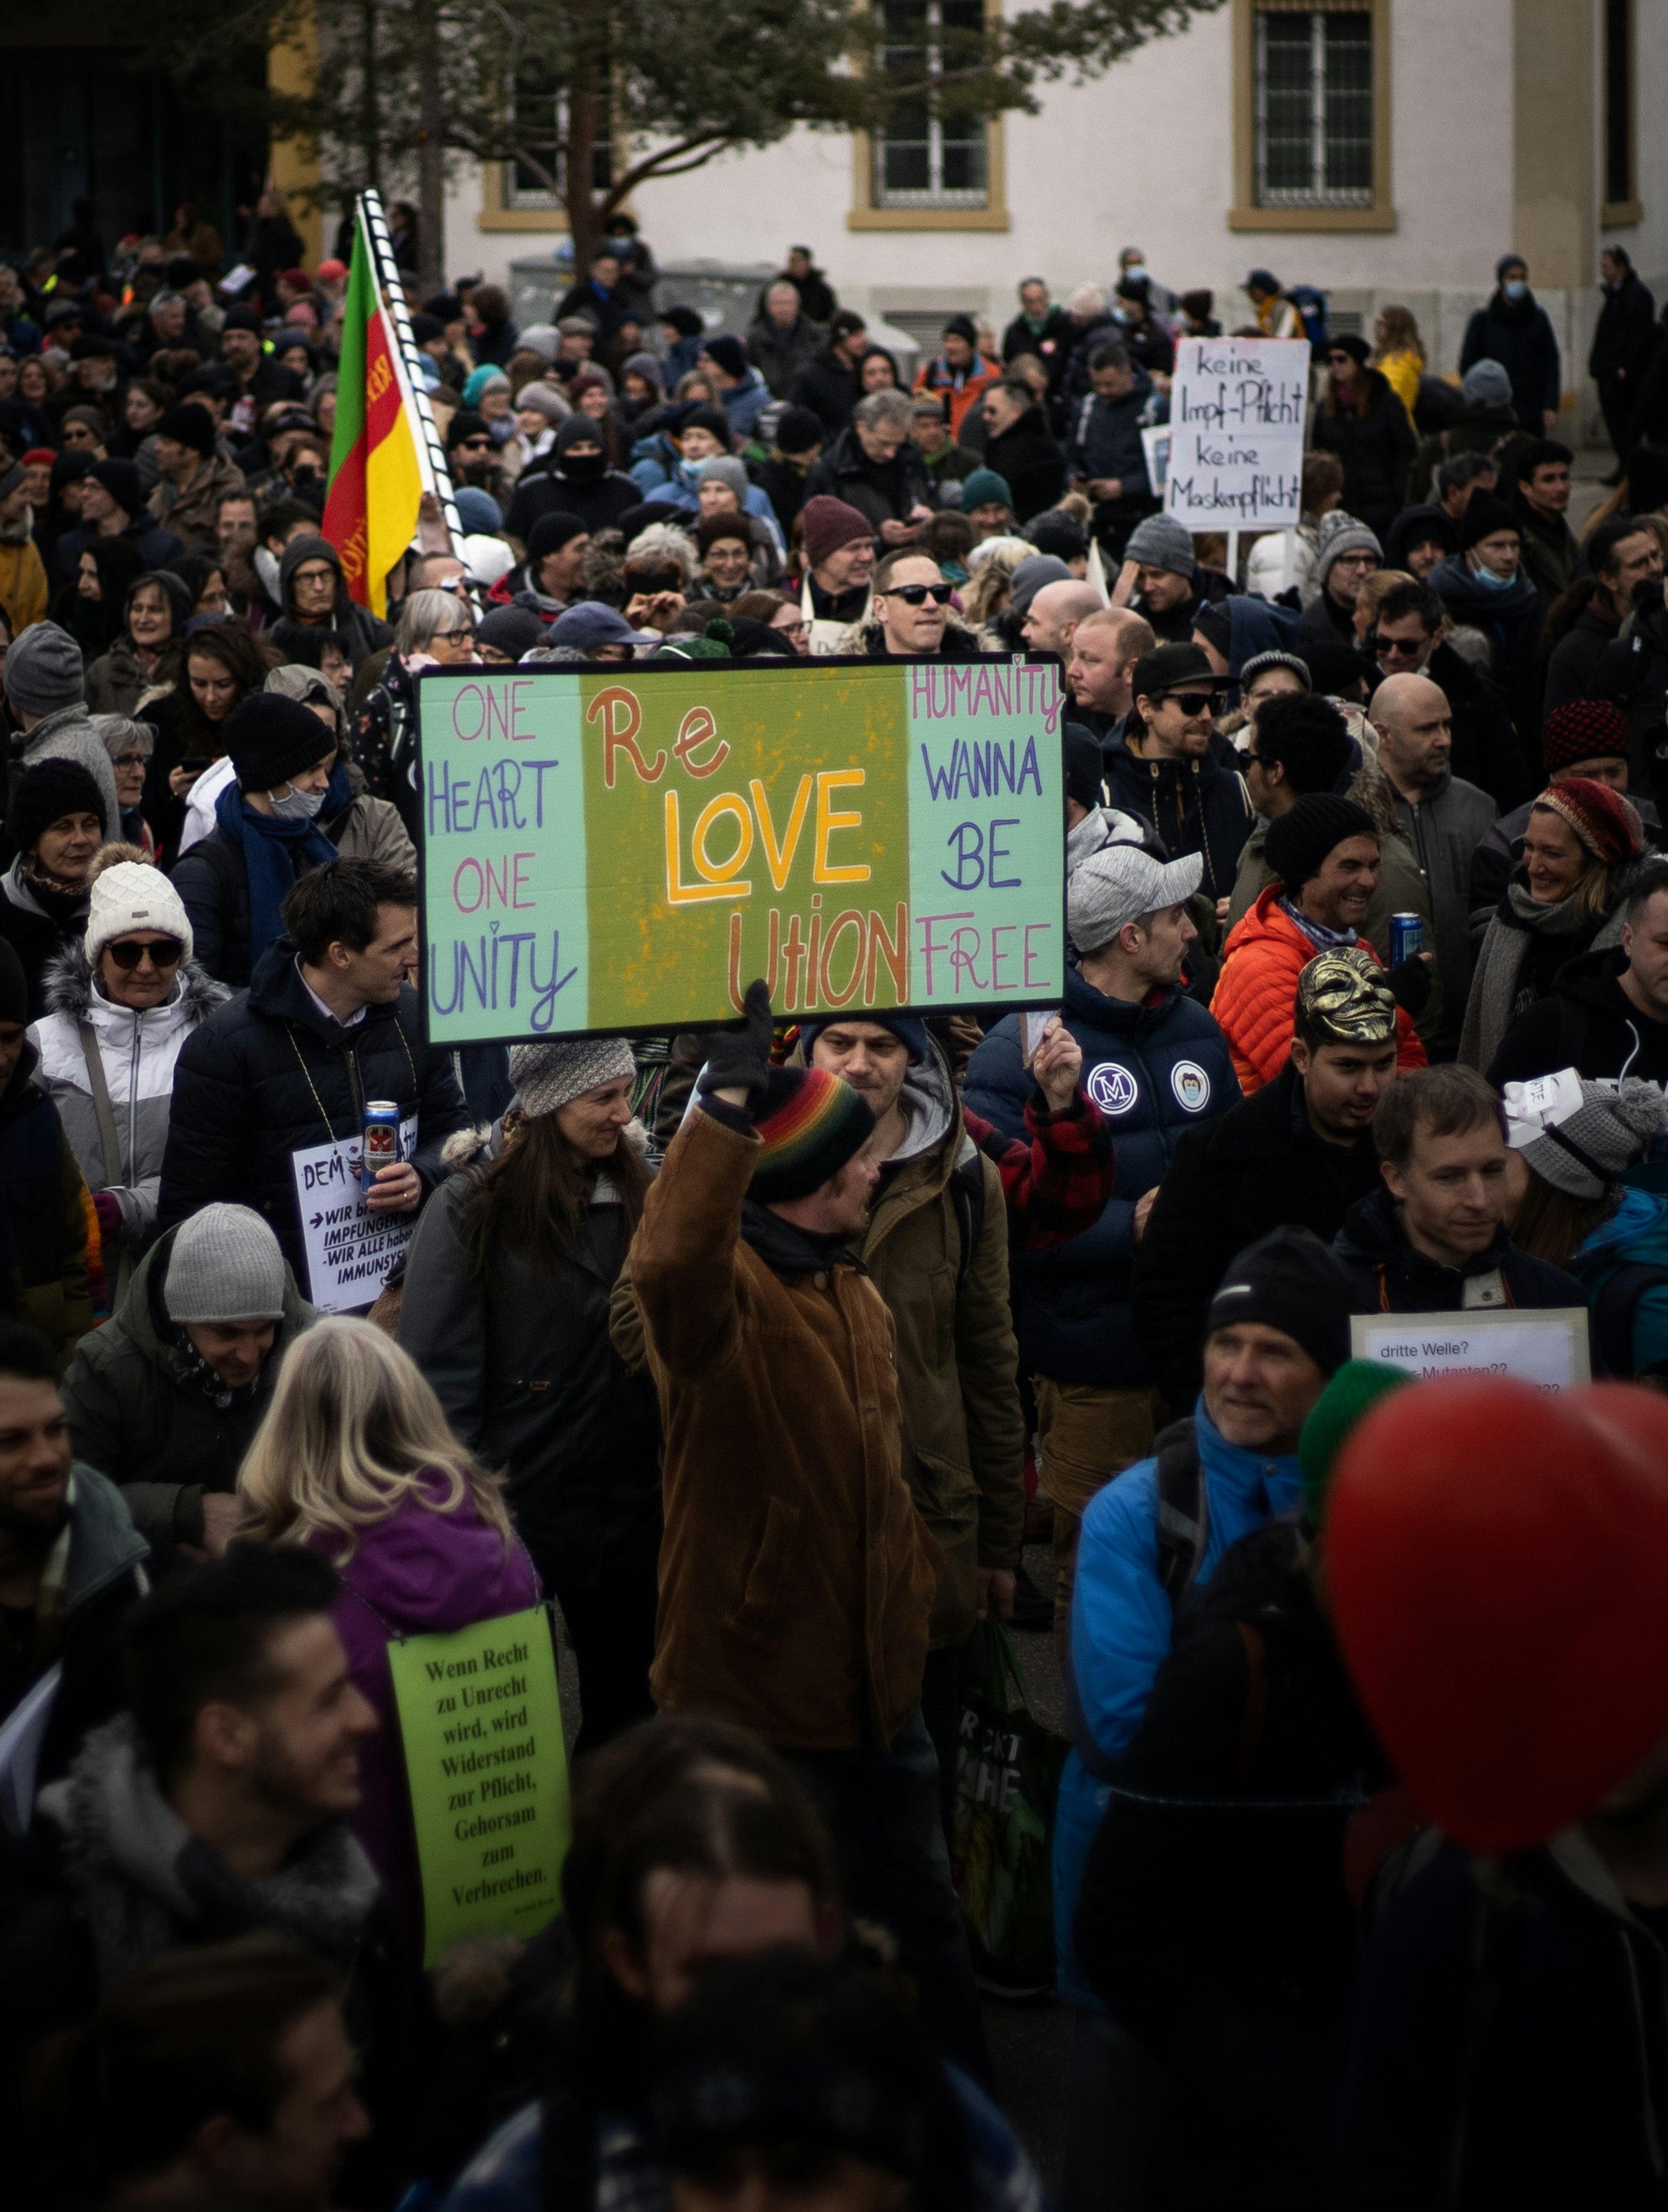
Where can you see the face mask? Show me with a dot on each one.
(1490, 581)
(584, 468)
(1515, 288)
(298, 806)
(1136, 269)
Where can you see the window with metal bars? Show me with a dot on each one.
(1314, 107)
(541, 112)
(925, 157)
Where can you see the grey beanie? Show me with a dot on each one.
(225, 1266)
(1485, 383)
(1030, 577)
(1588, 1152)
(548, 1077)
(1160, 542)
(44, 670)
(727, 470)
(1275, 658)
(1338, 533)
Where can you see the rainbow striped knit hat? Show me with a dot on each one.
(809, 1124)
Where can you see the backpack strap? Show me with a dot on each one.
(1614, 1310)
(967, 1197)
(109, 1143)
(1184, 1515)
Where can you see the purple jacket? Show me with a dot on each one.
(417, 1573)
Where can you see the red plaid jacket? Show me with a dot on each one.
(1055, 1186)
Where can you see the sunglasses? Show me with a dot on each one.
(473, 444)
(1398, 648)
(1190, 702)
(167, 952)
(916, 595)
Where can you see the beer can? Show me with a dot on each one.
(381, 1145)
(1406, 937)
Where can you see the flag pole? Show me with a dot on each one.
(430, 453)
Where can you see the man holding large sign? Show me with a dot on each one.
(1433, 1241)
(624, 850)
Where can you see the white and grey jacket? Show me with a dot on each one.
(137, 1051)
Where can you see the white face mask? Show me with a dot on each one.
(297, 806)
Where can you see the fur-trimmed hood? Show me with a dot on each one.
(68, 982)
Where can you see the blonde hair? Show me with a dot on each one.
(353, 1431)
(1401, 335)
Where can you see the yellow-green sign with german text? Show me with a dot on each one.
(480, 1724)
(626, 848)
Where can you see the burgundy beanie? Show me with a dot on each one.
(1604, 822)
(830, 524)
(1585, 729)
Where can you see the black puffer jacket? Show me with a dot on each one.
(885, 492)
(1029, 462)
(529, 1380)
(1222, 1932)
(1376, 448)
(828, 388)
(269, 1075)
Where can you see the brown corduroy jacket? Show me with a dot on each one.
(796, 1576)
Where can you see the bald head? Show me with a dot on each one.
(1055, 613)
(1414, 725)
(1104, 647)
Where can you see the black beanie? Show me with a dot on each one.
(1215, 624)
(1293, 1282)
(552, 532)
(45, 793)
(1485, 514)
(799, 429)
(271, 738)
(1085, 766)
(189, 425)
(13, 986)
(1297, 842)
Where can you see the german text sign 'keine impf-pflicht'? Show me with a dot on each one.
(1236, 433)
(626, 848)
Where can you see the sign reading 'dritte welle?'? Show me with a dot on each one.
(1237, 409)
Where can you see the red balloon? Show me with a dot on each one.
(1498, 1559)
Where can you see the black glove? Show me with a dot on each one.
(739, 1057)
(1410, 984)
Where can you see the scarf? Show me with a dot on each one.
(143, 1883)
(214, 1386)
(1323, 938)
(1499, 994)
(275, 852)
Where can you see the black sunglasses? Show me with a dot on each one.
(166, 952)
(916, 595)
(1190, 702)
(474, 445)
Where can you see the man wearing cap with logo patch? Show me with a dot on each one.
(1162, 771)
(797, 1579)
(1278, 1327)
(1155, 1064)
(1324, 855)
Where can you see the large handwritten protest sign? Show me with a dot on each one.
(1237, 412)
(480, 1726)
(627, 848)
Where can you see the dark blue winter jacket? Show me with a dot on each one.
(1154, 1071)
(1105, 439)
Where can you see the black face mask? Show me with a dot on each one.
(584, 468)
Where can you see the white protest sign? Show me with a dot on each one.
(351, 1251)
(1155, 445)
(1237, 412)
(1549, 1348)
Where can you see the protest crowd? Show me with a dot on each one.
(760, 1353)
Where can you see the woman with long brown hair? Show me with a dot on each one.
(506, 1311)
(1361, 420)
(211, 671)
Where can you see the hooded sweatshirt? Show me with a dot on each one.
(363, 632)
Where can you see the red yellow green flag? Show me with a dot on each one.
(371, 508)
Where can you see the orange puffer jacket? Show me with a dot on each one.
(1265, 954)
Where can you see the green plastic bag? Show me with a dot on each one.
(1007, 1770)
